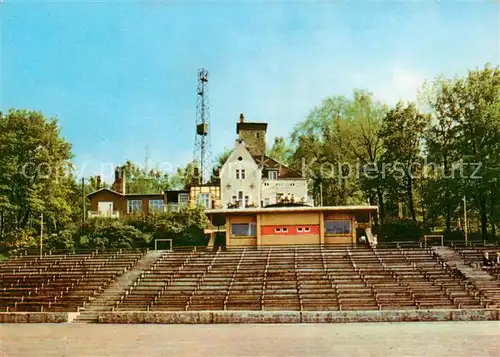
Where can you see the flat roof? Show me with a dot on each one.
(292, 209)
(250, 126)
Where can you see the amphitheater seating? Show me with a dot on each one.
(301, 279)
(474, 257)
(268, 278)
(59, 282)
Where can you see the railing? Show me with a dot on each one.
(176, 207)
(95, 214)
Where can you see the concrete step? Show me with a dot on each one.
(105, 300)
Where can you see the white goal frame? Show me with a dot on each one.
(425, 237)
(163, 240)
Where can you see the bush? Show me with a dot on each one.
(64, 240)
(111, 233)
(397, 230)
(185, 227)
(20, 240)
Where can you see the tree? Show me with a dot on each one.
(280, 151)
(34, 162)
(141, 181)
(365, 144)
(220, 161)
(466, 139)
(403, 131)
(333, 141)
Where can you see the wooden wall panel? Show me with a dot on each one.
(242, 219)
(302, 218)
(339, 240)
(338, 215)
(309, 239)
(291, 230)
(242, 241)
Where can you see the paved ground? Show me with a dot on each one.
(434, 339)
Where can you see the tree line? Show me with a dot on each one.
(419, 161)
(422, 160)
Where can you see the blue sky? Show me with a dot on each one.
(122, 76)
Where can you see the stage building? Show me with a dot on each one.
(302, 225)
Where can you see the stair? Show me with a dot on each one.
(484, 281)
(105, 300)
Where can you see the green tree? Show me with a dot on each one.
(466, 139)
(281, 151)
(138, 180)
(333, 141)
(109, 233)
(403, 132)
(219, 162)
(34, 162)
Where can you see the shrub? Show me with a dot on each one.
(397, 229)
(20, 240)
(111, 233)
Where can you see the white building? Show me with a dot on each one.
(249, 178)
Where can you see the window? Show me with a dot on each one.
(299, 229)
(204, 200)
(134, 206)
(267, 201)
(243, 174)
(284, 229)
(277, 230)
(272, 175)
(247, 201)
(244, 229)
(234, 199)
(266, 183)
(307, 229)
(257, 135)
(183, 199)
(337, 226)
(292, 183)
(156, 206)
(237, 174)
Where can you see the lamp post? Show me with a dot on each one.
(465, 220)
(321, 194)
(41, 235)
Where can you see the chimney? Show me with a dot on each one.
(119, 184)
(242, 118)
(98, 183)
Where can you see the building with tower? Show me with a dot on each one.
(250, 178)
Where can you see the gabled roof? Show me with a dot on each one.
(104, 189)
(269, 164)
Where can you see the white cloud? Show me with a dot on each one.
(403, 84)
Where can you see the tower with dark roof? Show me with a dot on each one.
(253, 134)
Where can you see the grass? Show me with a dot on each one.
(3, 257)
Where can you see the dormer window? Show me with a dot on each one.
(272, 175)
